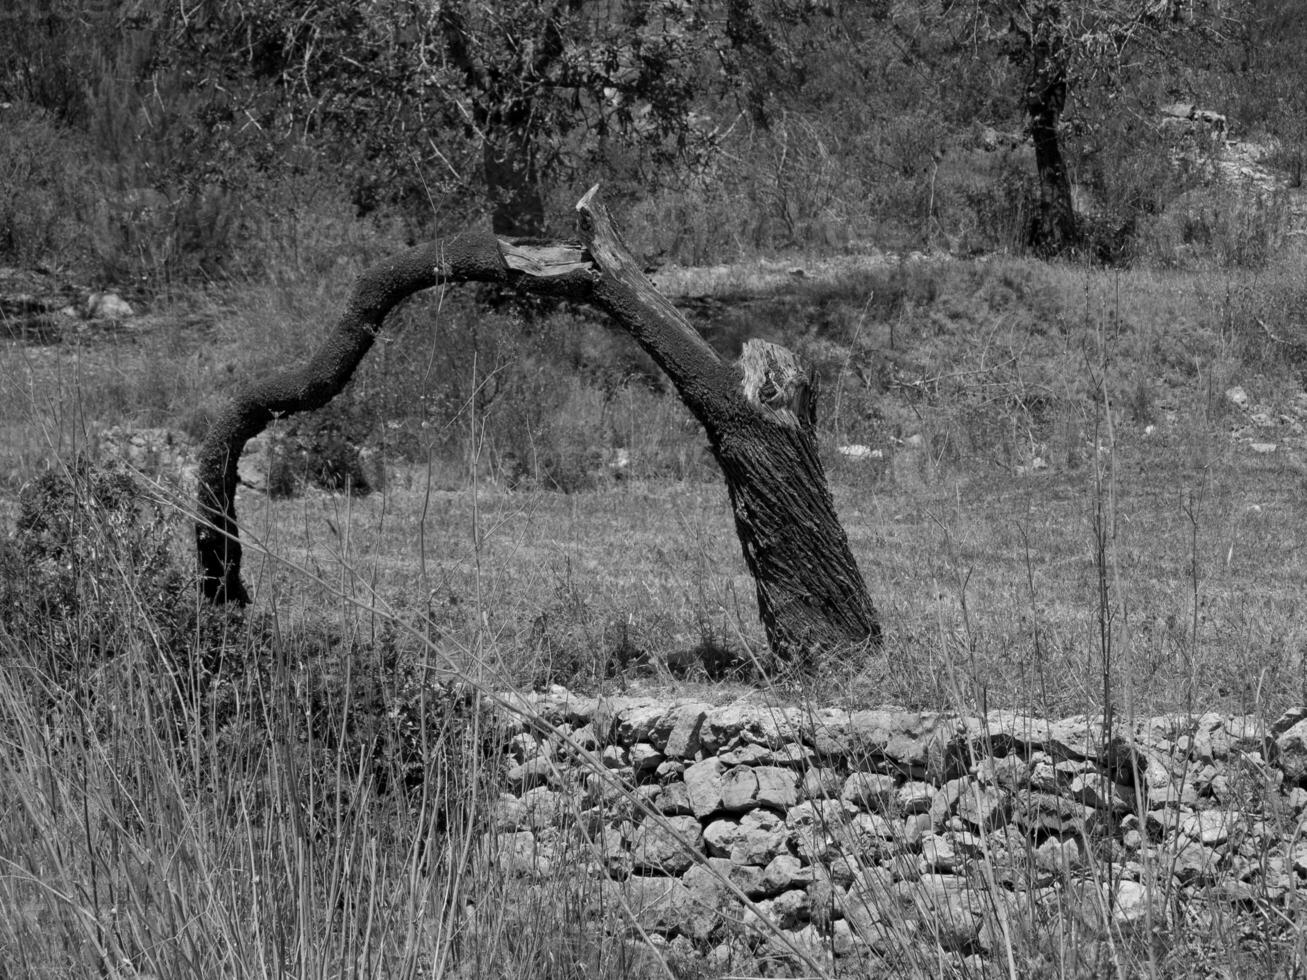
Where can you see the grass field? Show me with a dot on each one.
(1067, 511)
(1032, 426)
(994, 575)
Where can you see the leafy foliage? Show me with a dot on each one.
(80, 537)
(1082, 69)
(425, 101)
(208, 133)
(325, 450)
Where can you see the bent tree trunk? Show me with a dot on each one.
(759, 413)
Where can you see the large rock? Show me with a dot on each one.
(1131, 903)
(1078, 737)
(947, 905)
(703, 786)
(871, 790)
(1291, 746)
(861, 836)
(666, 846)
(108, 306)
(756, 838)
(667, 907)
(707, 881)
(786, 871)
(678, 730)
(1211, 827)
(729, 725)
(744, 787)
(916, 743)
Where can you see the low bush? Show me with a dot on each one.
(48, 185)
(92, 549)
(1213, 226)
(326, 449)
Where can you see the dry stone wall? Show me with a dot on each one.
(848, 836)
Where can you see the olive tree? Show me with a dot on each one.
(451, 100)
(1062, 47)
(759, 413)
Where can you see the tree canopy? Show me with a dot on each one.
(771, 119)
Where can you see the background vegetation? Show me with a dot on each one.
(1066, 503)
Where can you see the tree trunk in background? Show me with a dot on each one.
(512, 183)
(759, 414)
(1053, 226)
(509, 131)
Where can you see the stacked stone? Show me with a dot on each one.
(839, 835)
(152, 451)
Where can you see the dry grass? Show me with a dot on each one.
(996, 567)
(157, 828)
(967, 377)
(524, 575)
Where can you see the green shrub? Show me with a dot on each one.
(1231, 229)
(45, 184)
(324, 449)
(92, 592)
(93, 550)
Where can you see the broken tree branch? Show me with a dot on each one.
(759, 415)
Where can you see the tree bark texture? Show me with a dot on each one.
(759, 415)
(811, 595)
(1053, 227)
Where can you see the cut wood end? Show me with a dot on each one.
(583, 205)
(545, 261)
(774, 378)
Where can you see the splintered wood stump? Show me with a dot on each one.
(759, 414)
(811, 595)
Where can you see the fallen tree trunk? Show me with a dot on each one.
(758, 412)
